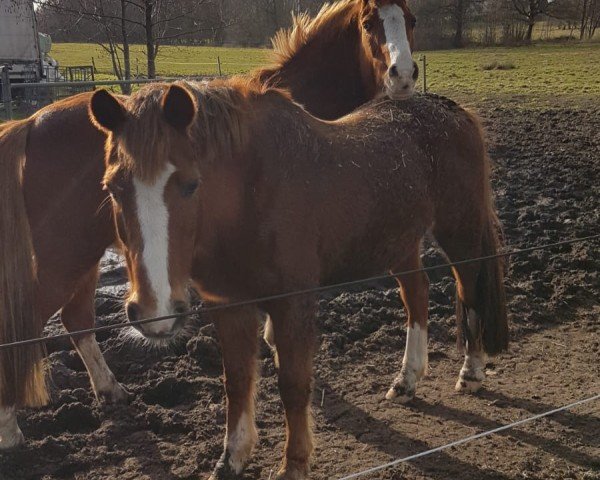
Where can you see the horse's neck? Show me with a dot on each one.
(329, 77)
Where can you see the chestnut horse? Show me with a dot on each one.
(237, 188)
(52, 166)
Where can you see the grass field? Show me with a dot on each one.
(542, 71)
(171, 61)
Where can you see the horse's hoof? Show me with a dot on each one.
(292, 474)
(400, 393)
(468, 384)
(117, 395)
(10, 442)
(223, 469)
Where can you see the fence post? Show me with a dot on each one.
(219, 66)
(424, 59)
(6, 93)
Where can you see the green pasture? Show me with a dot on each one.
(171, 60)
(543, 71)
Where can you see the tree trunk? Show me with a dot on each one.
(126, 89)
(532, 13)
(150, 55)
(583, 19)
(459, 17)
(529, 33)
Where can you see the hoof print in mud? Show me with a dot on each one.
(76, 418)
(168, 392)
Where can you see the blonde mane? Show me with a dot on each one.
(287, 42)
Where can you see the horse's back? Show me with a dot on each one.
(426, 140)
(391, 165)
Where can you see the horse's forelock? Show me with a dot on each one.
(218, 131)
(146, 137)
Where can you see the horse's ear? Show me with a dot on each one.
(178, 107)
(106, 111)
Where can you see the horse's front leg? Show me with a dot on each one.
(10, 433)
(237, 330)
(294, 332)
(414, 290)
(79, 314)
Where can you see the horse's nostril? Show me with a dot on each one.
(133, 312)
(415, 75)
(393, 71)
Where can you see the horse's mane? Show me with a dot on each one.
(287, 42)
(220, 128)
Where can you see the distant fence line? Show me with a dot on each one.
(19, 100)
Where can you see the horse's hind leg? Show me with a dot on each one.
(10, 433)
(472, 373)
(414, 290)
(79, 314)
(237, 330)
(460, 245)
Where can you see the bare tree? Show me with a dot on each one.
(590, 18)
(104, 22)
(460, 12)
(117, 21)
(530, 10)
(167, 20)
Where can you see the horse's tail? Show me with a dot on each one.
(22, 380)
(467, 226)
(490, 298)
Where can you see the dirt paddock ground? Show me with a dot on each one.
(546, 178)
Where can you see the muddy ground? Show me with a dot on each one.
(547, 181)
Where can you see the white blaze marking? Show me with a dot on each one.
(153, 218)
(394, 26)
(10, 433)
(415, 355)
(240, 442)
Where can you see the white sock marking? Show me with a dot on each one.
(472, 372)
(153, 218)
(240, 442)
(394, 26)
(10, 433)
(102, 378)
(415, 355)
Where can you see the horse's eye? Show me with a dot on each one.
(188, 189)
(413, 22)
(114, 190)
(367, 26)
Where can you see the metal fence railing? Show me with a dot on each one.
(19, 100)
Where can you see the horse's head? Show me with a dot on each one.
(388, 34)
(152, 181)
